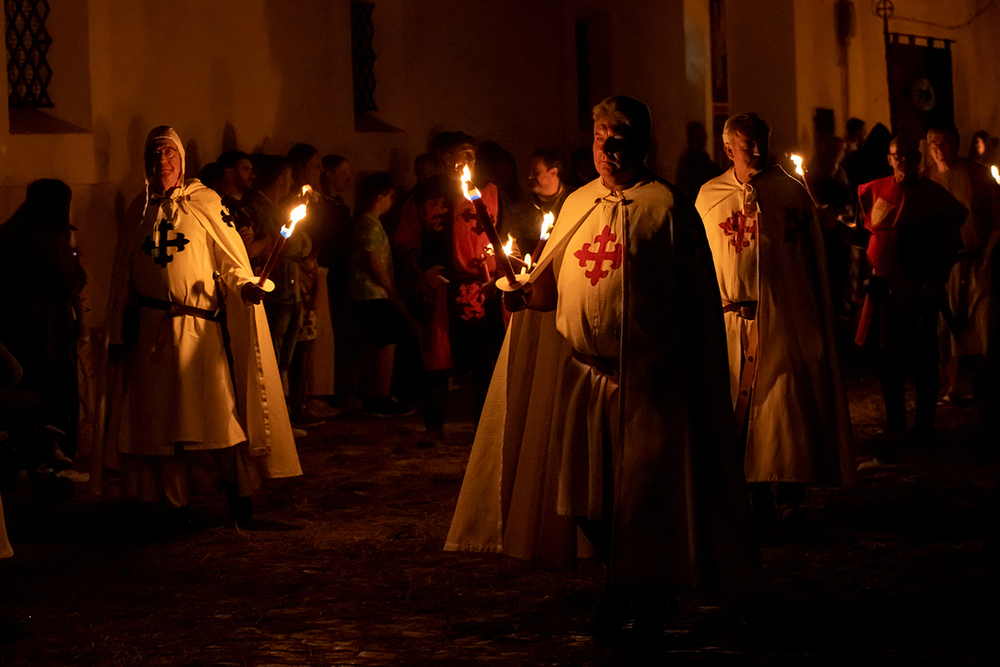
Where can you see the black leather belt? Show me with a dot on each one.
(176, 309)
(745, 309)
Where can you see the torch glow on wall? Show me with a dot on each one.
(996, 173)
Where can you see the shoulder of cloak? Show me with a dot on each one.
(206, 206)
(774, 183)
(716, 191)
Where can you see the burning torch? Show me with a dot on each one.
(801, 171)
(297, 214)
(472, 194)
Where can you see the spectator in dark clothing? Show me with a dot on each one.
(516, 217)
(548, 192)
(40, 285)
(984, 148)
(695, 167)
(283, 304)
(336, 185)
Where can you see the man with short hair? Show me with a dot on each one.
(784, 376)
(967, 290)
(180, 405)
(609, 406)
(443, 249)
(548, 192)
(283, 305)
(911, 235)
(236, 175)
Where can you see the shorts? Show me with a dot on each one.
(380, 322)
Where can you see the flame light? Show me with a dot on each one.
(508, 247)
(996, 173)
(468, 189)
(548, 221)
(797, 159)
(297, 214)
(527, 264)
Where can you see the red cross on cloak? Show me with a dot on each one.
(599, 255)
(741, 227)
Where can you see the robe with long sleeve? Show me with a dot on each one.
(176, 387)
(637, 262)
(768, 248)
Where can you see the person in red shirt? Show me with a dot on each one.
(444, 253)
(912, 226)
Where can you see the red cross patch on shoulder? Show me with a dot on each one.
(599, 252)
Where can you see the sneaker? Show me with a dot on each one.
(386, 407)
(320, 409)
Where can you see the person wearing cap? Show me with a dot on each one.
(186, 303)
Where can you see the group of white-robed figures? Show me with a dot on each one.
(668, 354)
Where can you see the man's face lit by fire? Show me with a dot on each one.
(618, 153)
(163, 164)
(243, 175)
(748, 153)
(943, 148)
(456, 158)
(544, 181)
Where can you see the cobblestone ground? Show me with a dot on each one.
(348, 570)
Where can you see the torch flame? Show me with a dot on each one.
(508, 247)
(797, 159)
(468, 189)
(996, 173)
(297, 214)
(548, 221)
(527, 264)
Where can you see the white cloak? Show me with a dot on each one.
(799, 428)
(680, 507)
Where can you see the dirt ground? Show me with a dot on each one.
(348, 570)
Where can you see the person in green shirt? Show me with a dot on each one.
(382, 316)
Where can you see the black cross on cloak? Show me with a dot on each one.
(159, 248)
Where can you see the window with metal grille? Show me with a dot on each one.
(363, 57)
(28, 42)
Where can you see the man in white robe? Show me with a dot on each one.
(784, 375)
(967, 291)
(608, 406)
(186, 313)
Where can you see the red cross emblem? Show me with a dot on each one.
(599, 255)
(434, 211)
(741, 227)
(470, 298)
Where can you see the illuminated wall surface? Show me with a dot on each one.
(264, 74)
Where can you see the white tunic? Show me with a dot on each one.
(180, 390)
(589, 311)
